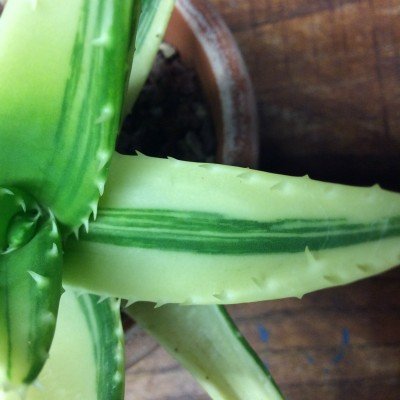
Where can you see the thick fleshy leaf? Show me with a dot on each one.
(176, 232)
(63, 71)
(86, 360)
(207, 343)
(30, 287)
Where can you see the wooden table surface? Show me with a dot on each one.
(327, 79)
(337, 344)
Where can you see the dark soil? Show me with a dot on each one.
(170, 117)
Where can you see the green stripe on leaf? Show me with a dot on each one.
(209, 233)
(104, 324)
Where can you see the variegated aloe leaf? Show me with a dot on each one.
(152, 25)
(205, 340)
(170, 231)
(63, 69)
(30, 287)
(86, 360)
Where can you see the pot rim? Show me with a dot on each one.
(206, 43)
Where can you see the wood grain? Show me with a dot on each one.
(337, 344)
(327, 79)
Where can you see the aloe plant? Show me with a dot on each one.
(195, 236)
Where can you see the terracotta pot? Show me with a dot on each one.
(206, 44)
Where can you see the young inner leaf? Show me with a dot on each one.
(30, 287)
